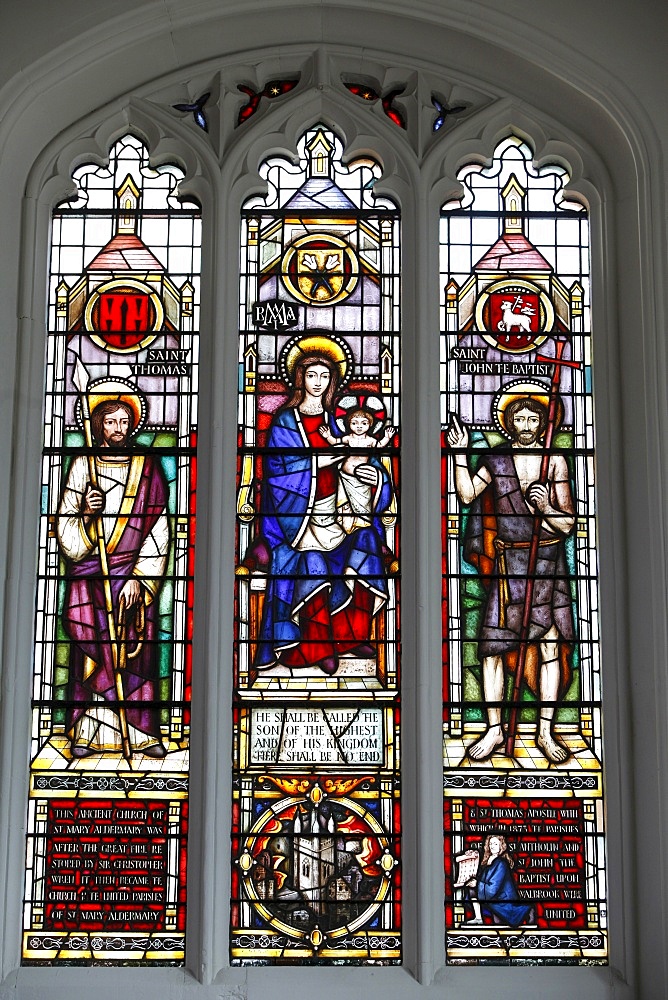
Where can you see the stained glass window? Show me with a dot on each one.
(108, 808)
(524, 845)
(315, 845)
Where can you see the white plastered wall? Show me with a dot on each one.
(585, 84)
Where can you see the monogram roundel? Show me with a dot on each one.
(320, 269)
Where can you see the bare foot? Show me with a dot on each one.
(487, 744)
(551, 747)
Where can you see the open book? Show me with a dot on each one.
(469, 862)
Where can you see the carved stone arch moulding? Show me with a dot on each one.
(551, 141)
(221, 101)
(357, 133)
(164, 138)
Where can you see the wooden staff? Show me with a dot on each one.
(81, 380)
(535, 540)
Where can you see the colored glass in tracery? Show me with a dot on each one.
(524, 844)
(370, 95)
(108, 809)
(275, 88)
(315, 844)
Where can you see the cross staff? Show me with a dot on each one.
(558, 363)
(81, 379)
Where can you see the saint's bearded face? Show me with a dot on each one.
(115, 429)
(525, 426)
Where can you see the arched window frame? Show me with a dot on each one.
(420, 197)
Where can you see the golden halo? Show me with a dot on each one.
(314, 344)
(522, 390)
(121, 390)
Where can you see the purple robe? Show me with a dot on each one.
(86, 622)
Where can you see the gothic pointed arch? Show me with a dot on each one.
(598, 115)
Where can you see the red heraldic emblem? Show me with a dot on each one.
(123, 317)
(514, 319)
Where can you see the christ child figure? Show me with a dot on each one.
(354, 497)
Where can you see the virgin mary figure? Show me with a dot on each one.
(324, 585)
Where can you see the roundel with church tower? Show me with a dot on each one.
(317, 865)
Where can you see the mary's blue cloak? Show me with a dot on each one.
(288, 492)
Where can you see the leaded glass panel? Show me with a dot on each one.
(108, 809)
(316, 828)
(524, 817)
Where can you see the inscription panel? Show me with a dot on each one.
(317, 736)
